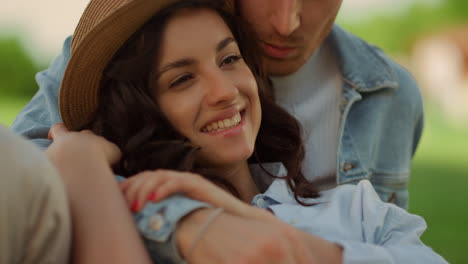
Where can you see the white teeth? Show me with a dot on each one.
(223, 124)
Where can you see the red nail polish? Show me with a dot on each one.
(152, 196)
(135, 206)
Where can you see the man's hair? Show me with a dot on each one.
(129, 116)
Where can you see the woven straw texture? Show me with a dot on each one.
(104, 26)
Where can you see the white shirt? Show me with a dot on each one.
(313, 95)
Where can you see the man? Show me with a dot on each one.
(361, 114)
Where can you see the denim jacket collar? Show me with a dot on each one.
(352, 52)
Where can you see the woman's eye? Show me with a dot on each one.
(180, 80)
(230, 59)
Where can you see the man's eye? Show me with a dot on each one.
(180, 80)
(231, 59)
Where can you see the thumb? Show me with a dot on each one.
(56, 131)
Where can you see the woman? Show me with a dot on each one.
(202, 112)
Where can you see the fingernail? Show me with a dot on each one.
(152, 196)
(135, 206)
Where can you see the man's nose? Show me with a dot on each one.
(220, 89)
(286, 16)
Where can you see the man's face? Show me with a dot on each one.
(290, 31)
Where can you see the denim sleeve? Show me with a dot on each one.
(34, 121)
(157, 222)
(390, 234)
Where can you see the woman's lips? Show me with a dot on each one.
(277, 51)
(231, 131)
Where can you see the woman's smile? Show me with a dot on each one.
(223, 124)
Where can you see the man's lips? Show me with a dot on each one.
(277, 51)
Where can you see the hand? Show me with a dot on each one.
(157, 185)
(80, 156)
(234, 239)
(82, 143)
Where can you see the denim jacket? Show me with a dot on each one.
(382, 118)
(381, 125)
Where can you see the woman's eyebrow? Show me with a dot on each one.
(176, 64)
(223, 43)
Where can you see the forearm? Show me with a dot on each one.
(103, 229)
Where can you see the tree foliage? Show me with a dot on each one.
(396, 34)
(17, 68)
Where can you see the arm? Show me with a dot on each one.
(243, 234)
(103, 230)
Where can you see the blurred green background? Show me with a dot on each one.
(439, 177)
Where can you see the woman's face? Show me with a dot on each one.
(206, 90)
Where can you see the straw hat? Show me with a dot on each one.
(103, 28)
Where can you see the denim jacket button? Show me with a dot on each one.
(156, 222)
(260, 203)
(348, 167)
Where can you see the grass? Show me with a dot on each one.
(438, 185)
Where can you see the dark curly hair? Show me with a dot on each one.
(128, 115)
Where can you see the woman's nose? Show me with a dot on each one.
(285, 16)
(220, 89)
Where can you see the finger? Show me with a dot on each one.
(123, 185)
(149, 190)
(56, 131)
(130, 193)
(137, 192)
(177, 182)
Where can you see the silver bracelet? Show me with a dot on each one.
(202, 230)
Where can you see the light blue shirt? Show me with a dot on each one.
(353, 216)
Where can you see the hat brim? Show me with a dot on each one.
(82, 78)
